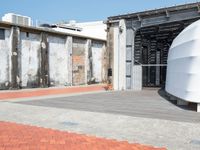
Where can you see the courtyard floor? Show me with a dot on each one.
(97, 120)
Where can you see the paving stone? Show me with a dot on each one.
(49, 91)
(22, 137)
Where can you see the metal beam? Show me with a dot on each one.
(150, 13)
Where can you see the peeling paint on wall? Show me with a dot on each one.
(31, 59)
(30, 47)
(110, 54)
(69, 55)
(104, 61)
(15, 57)
(5, 59)
(58, 61)
(97, 56)
(78, 61)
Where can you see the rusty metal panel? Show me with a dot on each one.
(29, 49)
(78, 61)
(5, 60)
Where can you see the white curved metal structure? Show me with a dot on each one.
(183, 72)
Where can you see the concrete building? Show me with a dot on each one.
(42, 57)
(138, 44)
(95, 29)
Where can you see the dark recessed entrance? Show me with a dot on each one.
(151, 50)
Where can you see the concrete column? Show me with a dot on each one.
(15, 58)
(88, 61)
(110, 53)
(120, 56)
(116, 58)
(198, 107)
(136, 69)
(69, 55)
(104, 64)
(44, 61)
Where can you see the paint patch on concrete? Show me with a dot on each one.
(30, 46)
(5, 59)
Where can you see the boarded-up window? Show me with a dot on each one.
(2, 34)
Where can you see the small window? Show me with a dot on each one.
(2, 34)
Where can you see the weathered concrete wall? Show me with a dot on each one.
(116, 57)
(96, 62)
(44, 60)
(110, 53)
(5, 61)
(30, 51)
(15, 58)
(78, 61)
(69, 60)
(118, 54)
(58, 61)
(105, 63)
(97, 57)
(34, 58)
(88, 62)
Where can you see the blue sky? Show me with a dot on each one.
(52, 11)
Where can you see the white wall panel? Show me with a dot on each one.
(183, 72)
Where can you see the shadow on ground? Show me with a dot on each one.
(163, 94)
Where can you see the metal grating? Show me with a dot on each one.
(151, 50)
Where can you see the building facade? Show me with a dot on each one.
(41, 57)
(138, 44)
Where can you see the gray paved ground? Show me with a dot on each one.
(139, 117)
(148, 104)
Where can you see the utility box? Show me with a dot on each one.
(17, 19)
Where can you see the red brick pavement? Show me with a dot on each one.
(49, 91)
(22, 137)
